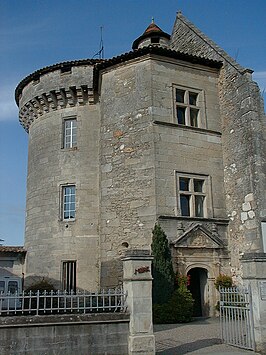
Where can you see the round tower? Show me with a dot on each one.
(57, 108)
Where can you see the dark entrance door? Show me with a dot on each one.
(198, 282)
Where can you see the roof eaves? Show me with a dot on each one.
(12, 249)
(36, 75)
(151, 49)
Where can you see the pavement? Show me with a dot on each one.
(202, 336)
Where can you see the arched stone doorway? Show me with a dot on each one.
(198, 286)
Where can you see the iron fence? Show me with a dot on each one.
(236, 317)
(53, 302)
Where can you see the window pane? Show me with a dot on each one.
(180, 95)
(199, 200)
(184, 205)
(2, 286)
(66, 215)
(194, 117)
(184, 184)
(68, 124)
(181, 115)
(198, 185)
(193, 98)
(12, 286)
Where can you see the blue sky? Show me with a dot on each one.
(38, 33)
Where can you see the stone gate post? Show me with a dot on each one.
(137, 281)
(254, 272)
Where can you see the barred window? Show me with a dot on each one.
(69, 275)
(70, 133)
(69, 202)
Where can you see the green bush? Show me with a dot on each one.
(162, 268)
(41, 285)
(223, 281)
(179, 309)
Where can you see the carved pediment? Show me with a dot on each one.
(196, 236)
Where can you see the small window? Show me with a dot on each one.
(2, 287)
(155, 40)
(187, 107)
(192, 195)
(70, 133)
(69, 276)
(69, 202)
(12, 287)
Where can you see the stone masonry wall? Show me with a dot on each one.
(48, 239)
(65, 335)
(243, 141)
(244, 161)
(127, 181)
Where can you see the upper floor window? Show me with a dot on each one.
(192, 195)
(69, 202)
(70, 133)
(187, 107)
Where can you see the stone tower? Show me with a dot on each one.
(173, 131)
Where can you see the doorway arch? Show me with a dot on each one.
(198, 286)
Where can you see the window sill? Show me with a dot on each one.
(195, 129)
(69, 149)
(67, 221)
(205, 219)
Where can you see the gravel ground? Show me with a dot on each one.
(201, 336)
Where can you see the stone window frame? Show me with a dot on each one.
(190, 107)
(64, 203)
(194, 195)
(72, 144)
(69, 275)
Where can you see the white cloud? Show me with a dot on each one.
(8, 107)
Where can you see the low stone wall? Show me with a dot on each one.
(65, 334)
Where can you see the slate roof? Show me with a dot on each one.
(187, 38)
(12, 249)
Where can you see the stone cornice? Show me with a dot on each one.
(64, 66)
(54, 100)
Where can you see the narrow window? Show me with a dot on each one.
(69, 276)
(70, 133)
(2, 287)
(69, 202)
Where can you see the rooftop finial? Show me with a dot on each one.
(152, 19)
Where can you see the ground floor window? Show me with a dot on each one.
(69, 269)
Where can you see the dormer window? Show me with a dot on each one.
(155, 40)
(152, 35)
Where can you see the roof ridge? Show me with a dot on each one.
(218, 50)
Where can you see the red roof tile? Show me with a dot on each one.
(12, 249)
